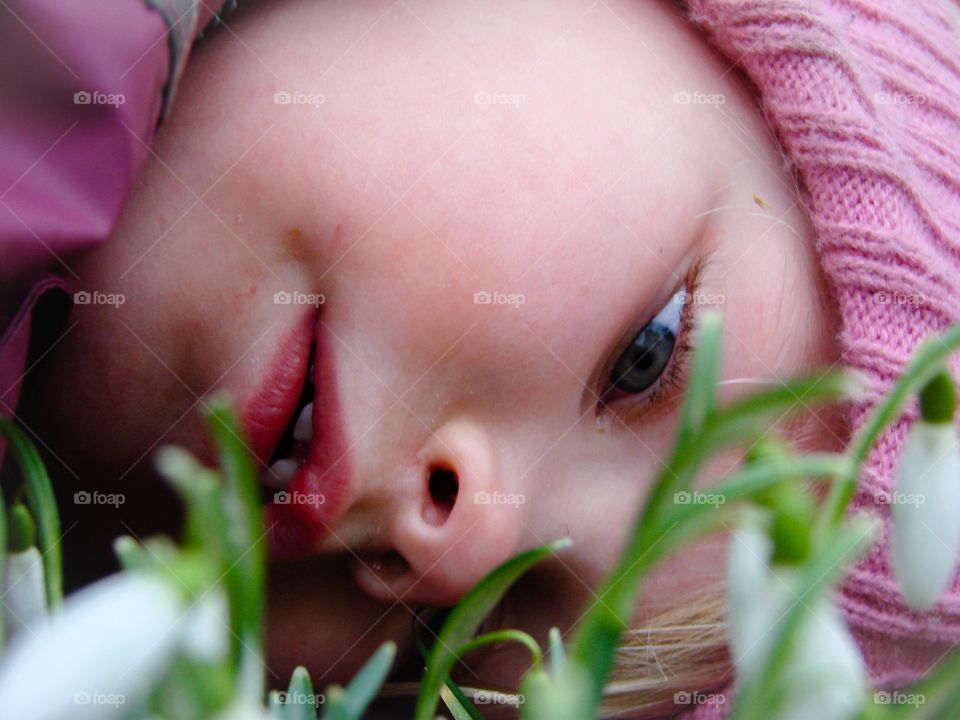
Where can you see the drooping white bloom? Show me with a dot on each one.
(104, 650)
(925, 507)
(24, 596)
(205, 628)
(824, 676)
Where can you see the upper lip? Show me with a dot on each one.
(317, 495)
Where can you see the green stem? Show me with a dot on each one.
(927, 360)
(244, 546)
(505, 636)
(43, 505)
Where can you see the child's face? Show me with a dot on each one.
(543, 154)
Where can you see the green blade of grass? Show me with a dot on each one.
(453, 704)
(928, 359)
(351, 702)
(465, 703)
(464, 620)
(517, 636)
(700, 397)
(556, 653)
(43, 505)
(244, 545)
(201, 490)
(298, 704)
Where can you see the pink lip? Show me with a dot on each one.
(318, 491)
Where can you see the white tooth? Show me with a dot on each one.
(280, 474)
(303, 430)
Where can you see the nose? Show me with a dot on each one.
(456, 525)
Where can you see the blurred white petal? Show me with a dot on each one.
(925, 507)
(105, 649)
(206, 628)
(824, 675)
(825, 672)
(24, 596)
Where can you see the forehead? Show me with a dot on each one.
(513, 138)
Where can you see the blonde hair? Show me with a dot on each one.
(680, 652)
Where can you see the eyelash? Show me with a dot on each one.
(648, 405)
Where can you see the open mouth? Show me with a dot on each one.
(293, 448)
(293, 422)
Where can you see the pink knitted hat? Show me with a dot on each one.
(865, 100)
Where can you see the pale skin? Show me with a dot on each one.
(583, 186)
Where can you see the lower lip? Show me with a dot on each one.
(317, 495)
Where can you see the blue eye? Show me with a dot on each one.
(649, 353)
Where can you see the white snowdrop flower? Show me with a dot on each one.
(206, 628)
(105, 649)
(748, 577)
(925, 510)
(24, 595)
(824, 676)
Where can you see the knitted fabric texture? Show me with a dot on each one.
(864, 99)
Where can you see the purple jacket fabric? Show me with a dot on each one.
(82, 88)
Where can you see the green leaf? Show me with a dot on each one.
(517, 636)
(352, 702)
(201, 489)
(43, 504)
(454, 705)
(22, 532)
(244, 545)
(466, 617)
(929, 358)
(424, 651)
(275, 705)
(700, 396)
(556, 653)
(300, 702)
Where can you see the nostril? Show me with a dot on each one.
(443, 486)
